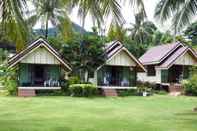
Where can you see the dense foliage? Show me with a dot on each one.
(180, 11)
(8, 79)
(83, 90)
(141, 36)
(190, 85)
(85, 55)
(191, 33)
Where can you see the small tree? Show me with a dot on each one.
(85, 55)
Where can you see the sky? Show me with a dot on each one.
(127, 12)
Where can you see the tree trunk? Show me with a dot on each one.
(46, 28)
(82, 73)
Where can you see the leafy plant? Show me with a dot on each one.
(85, 55)
(74, 80)
(190, 86)
(8, 78)
(83, 90)
(129, 92)
(145, 87)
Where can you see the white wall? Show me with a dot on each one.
(40, 56)
(142, 76)
(186, 59)
(121, 59)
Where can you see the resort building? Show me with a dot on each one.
(166, 64)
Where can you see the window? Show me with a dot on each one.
(91, 74)
(164, 76)
(151, 71)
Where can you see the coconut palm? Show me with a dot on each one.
(53, 11)
(12, 21)
(117, 32)
(141, 30)
(101, 9)
(181, 12)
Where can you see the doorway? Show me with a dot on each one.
(38, 75)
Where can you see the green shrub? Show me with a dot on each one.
(8, 79)
(76, 90)
(49, 93)
(83, 90)
(146, 87)
(129, 92)
(161, 92)
(66, 83)
(74, 80)
(190, 85)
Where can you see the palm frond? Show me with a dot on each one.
(185, 14)
(166, 8)
(112, 7)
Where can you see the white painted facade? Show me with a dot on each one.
(186, 59)
(40, 56)
(121, 59)
(142, 76)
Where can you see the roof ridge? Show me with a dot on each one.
(157, 54)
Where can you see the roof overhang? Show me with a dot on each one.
(182, 54)
(139, 64)
(165, 56)
(13, 61)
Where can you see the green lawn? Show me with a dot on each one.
(155, 113)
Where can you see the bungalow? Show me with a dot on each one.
(167, 63)
(119, 70)
(40, 67)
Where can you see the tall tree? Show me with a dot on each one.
(86, 58)
(117, 32)
(142, 30)
(191, 33)
(54, 11)
(180, 11)
(13, 25)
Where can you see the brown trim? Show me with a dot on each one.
(109, 57)
(36, 44)
(130, 55)
(185, 51)
(110, 46)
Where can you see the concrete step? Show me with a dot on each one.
(175, 88)
(110, 92)
(26, 92)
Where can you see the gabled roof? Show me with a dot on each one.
(114, 47)
(157, 54)
(172, 59)
(40, 42)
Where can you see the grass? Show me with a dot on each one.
(155, 113)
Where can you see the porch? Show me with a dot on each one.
(116, 77)
(39, 76)
(175, 74)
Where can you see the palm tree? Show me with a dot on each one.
(13, 25)
(141, 30)
(101, 9)
(181, 12)
(53, 11)
(117, 32)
